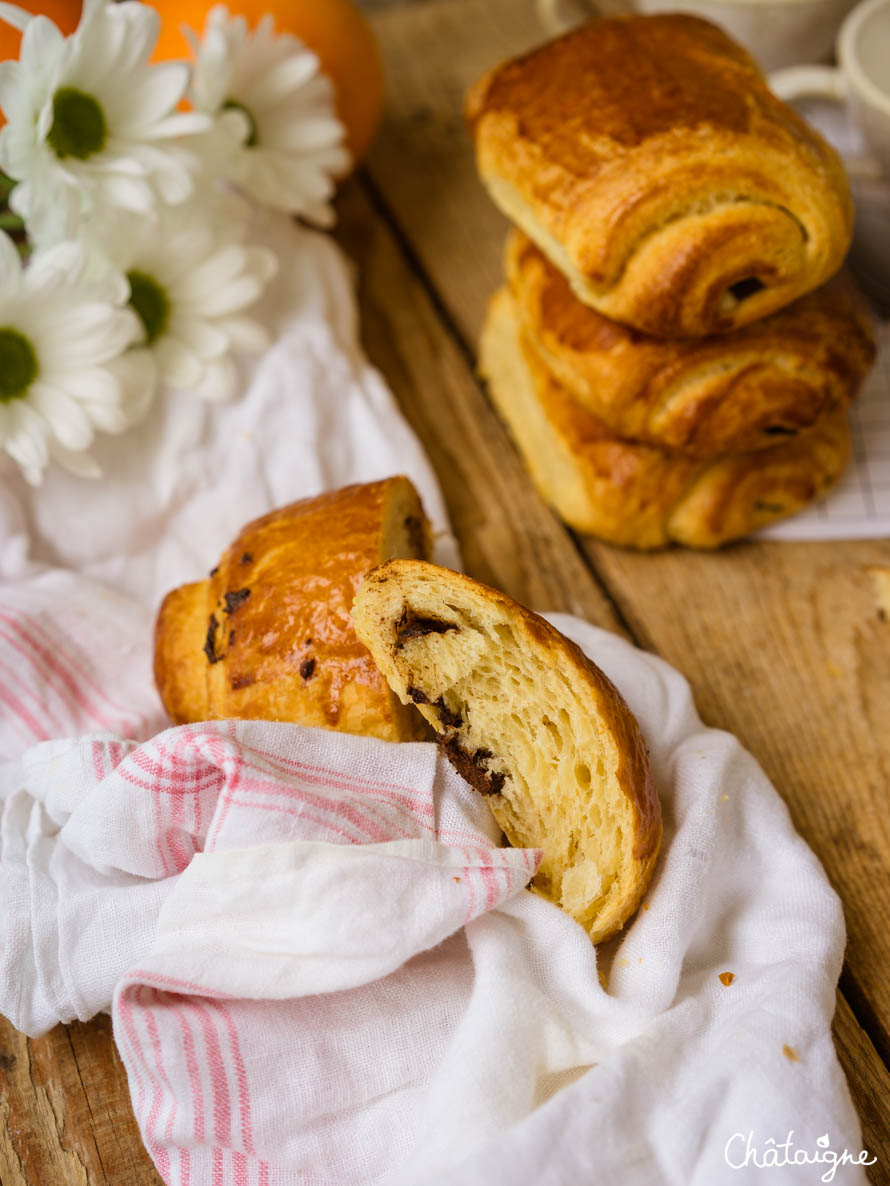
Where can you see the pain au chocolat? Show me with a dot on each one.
(532, 724)
(646, 156)
(268, 636)
(636, 494)
(752, 389)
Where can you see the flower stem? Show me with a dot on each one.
(7, 185)
(11, 222)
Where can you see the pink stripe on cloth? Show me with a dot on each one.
(211, 1069)
(67, 669)
(31, 682)
(37, 730)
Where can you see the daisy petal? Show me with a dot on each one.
(219, 381)
(178, 366)
(79, 464)
(245, 334)
(137, 375)
(70, 423)
(153, 97)
(17, 17)
(26, 440)
(287, 76)
(202, 337)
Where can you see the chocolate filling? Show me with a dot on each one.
(233, 600)
(246, 557)
(209, 648)
(307, 668)
(412, 625)
(779, 430)
(472, 768)
(746, 288)
(450, 719)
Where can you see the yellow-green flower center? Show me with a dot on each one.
(18, 365)
(151, 303)
(253, 138)
(78, 127)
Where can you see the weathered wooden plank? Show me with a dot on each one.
(65, 1115)
(866, 1072)
(507, 536)
(448, 410)
(782, 643)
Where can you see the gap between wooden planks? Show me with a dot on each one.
(782, 642)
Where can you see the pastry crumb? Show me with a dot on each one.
(790, 1053)
(726, 978)
(455, 879)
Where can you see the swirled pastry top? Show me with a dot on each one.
(268, 636)
(635, 494)
(752, 389)
(648, 159)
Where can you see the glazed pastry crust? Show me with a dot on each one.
(532, 723)
(752, 389)
(635, 494)
(268, 635)
(648, 159)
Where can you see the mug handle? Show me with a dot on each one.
(820, 82)
(816, 82)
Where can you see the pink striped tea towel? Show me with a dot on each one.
(324, 971)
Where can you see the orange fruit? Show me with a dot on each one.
(64, 13)
(333, 29)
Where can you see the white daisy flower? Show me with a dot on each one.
(63, 374)
(291, 145)
(90, 125)
(191, 277)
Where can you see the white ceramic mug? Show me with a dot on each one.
(777, 32)
(861, 80)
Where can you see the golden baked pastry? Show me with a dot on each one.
(636, 494)
(646, 156)
(727, 393)
(268, 635)
(531, 724)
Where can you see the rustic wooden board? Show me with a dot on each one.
(406, 339)
(65, 1114)
(782, 642)
(428, 246)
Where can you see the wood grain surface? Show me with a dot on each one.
(783, 643)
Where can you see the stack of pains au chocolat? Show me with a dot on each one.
(674, 351)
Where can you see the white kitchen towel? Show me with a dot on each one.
(325, 971)
(328, 974)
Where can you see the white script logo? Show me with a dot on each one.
(741, 1151)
